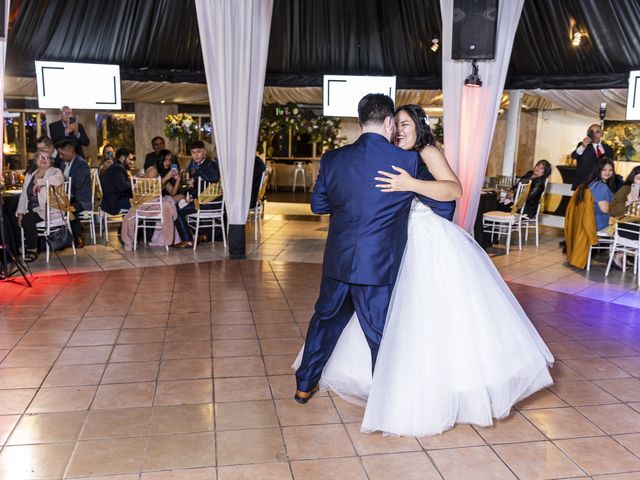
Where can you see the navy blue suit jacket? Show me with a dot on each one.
(80, 175)
(368, 227)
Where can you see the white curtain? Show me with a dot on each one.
(3, 57)
(587, 102)
(470, 114)
(235, 39)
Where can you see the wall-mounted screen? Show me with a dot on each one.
(341, 93)
(87, 86)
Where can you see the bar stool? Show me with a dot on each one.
(299, 170)
(273, 184)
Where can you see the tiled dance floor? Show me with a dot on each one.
(182, 372)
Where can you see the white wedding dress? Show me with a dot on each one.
(457, 346)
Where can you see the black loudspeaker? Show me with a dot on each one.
(474, 29)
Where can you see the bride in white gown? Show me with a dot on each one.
(457, 346)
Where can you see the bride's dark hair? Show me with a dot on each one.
(424, 136)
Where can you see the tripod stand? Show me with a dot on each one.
(6, 271)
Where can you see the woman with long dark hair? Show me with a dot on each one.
(537, 177)
(625, 197)
(602, 185)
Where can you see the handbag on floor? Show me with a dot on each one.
(59, 239)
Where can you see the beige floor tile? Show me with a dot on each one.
(281, 346)
(231, 318)
(236, 348)
(233, 332)
(582, 393)
(514, 428)
(182, 319)
(48, 428)
(7, 423)
(238, 367)
(562, 423)
(123, 395)
(182, 419)
(405, 466)
(138, 352)
(245, 415)
(458, 436)
(145, 321)
(237, 389)
(279, 364)
(617, 476)
(185, 369)
(349, 413)
(279, 330)
(131, 372)
(141, 335)
(630, 440)
(261, 445)
(24, 377)
(599, 455)
(74, 375)
(266, 471)
(84, 355)
(207, 473)
(31, 357)
(88, 338)
(542, 399)
(181, 392)
(35, 461)
(104, 457)
(62, 399)
(318, 411)
(596, 368)
(101, 323)
(537, 460)
(180, 451)
(343, 468)
(613, 418)
(317, 441)
(44, 339)
(15, 401)
(470, 462)
(182, 350)
(188, 334)
(123, 422)
(624, 389)
(282, 386)
(375, 443)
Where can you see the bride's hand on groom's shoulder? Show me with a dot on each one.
(400, 182)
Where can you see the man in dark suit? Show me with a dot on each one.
(67, 128)
(200, 167)
(366, 240)
(116, 187)
(76, 168)
(587, 154)
(154, 158)
(258, 169)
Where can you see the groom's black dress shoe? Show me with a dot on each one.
(304, 397)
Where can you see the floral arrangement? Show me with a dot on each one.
(181, 126)
(278, 118)
(624, 139)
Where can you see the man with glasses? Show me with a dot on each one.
(153, 158)
(68, 128)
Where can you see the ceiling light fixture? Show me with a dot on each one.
(162, 101)
(473, 80)
(435, 44)
(576, 38)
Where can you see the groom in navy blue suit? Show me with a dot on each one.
(367, 236)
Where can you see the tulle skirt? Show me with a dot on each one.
(457, 346)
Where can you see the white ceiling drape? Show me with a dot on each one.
(587, 102)
(470, 114)
(235, 39)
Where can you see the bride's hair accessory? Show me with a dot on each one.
(427, 120)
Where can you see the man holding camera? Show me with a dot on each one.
(68, 128)
(587, 154)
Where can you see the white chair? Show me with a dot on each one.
(211, 217)
(105, 218)
(54, 219)
(89, 216)
(626, 240)
(605, 242)
(147, 198)
(503, 223)
(299, 170)
(258, 211)
(532, 222)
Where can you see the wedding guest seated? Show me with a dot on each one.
(625, 197)
(602, 184)
(76, 168)
(43, 143)
(108, 156)
(32, 202)
(116, 187)
(537, 177)
(200, 167)
(155, 158)
(170, 175)
(162, 236)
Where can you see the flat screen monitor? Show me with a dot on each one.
(633, 96)
(341, 93)
(81, 86)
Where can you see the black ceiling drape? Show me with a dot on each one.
(158, 40)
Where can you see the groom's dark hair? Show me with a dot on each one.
(374, 108)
